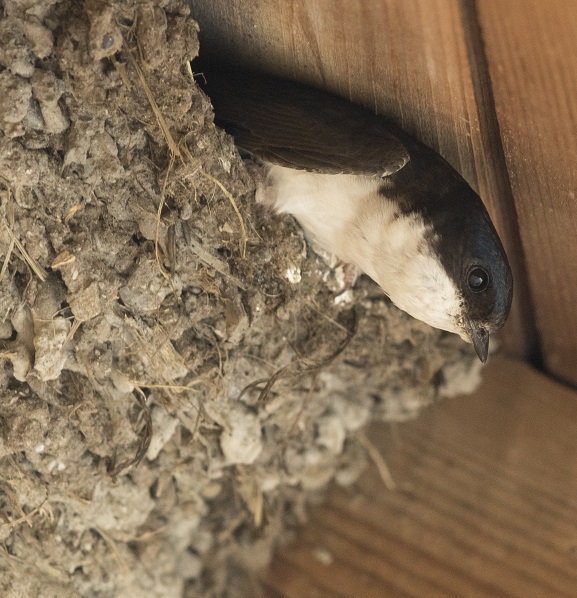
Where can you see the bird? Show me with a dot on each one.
(373, 195)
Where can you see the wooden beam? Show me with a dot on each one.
(532, 55)
(485, 505)
(409, 59)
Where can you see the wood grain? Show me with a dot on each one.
(486, 504)
(532, 58)
(409, 59)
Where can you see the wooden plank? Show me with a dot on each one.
(485, 505)
(532, 56)
(409, 59)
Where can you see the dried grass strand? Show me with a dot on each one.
(158, 219)
(27, 516)
(379, 461)
(36, 268)
(34, 265)
(174, 148)
(157, 113)
(215, 263)
(144, 442)
(226, 193)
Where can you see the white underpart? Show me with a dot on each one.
(345, 215)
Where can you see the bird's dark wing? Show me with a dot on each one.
(301, 127)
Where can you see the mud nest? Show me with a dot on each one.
(179, 372)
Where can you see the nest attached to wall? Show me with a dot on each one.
(180, 373)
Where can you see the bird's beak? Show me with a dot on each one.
(480, 339)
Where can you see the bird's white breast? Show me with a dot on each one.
(326, 205)
(348, 216)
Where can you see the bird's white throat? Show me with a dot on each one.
(348, 216)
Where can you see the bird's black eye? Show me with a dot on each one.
(478, 279)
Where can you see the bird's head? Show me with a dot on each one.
(471, 253)
(451, 270)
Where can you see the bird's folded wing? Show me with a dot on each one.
(302, 127)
